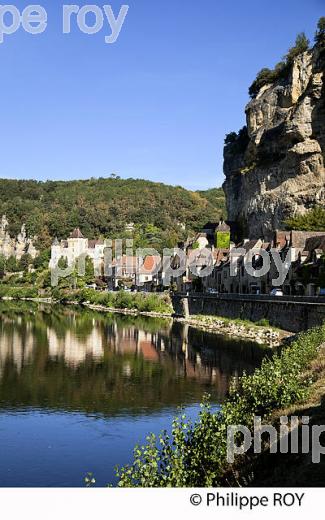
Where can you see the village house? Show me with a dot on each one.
(76, 246)
(301, 252)
(124, 271)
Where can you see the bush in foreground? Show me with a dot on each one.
(194, 455)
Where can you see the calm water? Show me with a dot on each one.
(78, 389)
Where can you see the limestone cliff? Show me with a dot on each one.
(275, 168)
(17, 246)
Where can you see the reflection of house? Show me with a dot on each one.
(73, 348)
(13, 348)
(132, 340)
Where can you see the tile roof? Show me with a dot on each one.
(76, 233)
(150, 264)
(93, 243)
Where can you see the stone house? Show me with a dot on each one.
(74, 247)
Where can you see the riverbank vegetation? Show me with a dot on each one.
(141, 302)
(195, 454)
(260, 331)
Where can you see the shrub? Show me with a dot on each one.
(313, 220)
(269, 76)
(142, 302)
(320, 34)
(301, 45)
(18, 292)
(237, 143)
(194, 455)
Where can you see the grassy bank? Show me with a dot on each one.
(18, 293)
(261, 331)
(287, 470)
(194, 455)
(141, 302)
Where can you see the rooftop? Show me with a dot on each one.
(76, 233)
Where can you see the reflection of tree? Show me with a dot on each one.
(57, 357)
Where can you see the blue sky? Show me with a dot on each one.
(154, 105)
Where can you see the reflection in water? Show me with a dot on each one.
(85, 361)
(79, 388)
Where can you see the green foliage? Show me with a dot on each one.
(25, 261)
(42, 260)
(320, 34)
(314, 220)
(231, 138)
(263, 323)
(142, 302)
(63, 262)
(12, 265)
(194, 455)
(2, 266)
(222, 240)
(301, 45)
(269, 76)
(103, 207)
(89, 479)
(216, 199)
(237, 143)
(18, 292)
(264, 77)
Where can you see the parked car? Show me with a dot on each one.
(91, 286)
(276, 292)
(212, 291)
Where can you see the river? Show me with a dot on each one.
(78, 389)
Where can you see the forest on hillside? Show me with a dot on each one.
(103, 207)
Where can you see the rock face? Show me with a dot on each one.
(275, 168)
(17, 246)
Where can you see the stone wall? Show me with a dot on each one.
(292, 314)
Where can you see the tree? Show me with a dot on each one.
(11, 265)
(25, 262)
(264, 77)
(63, 262)
(320, 33)
(42, 260)
(2, 266)
(237, 143)
(89, 270)
(301, 45)
(314, 220)
(230, 138)
(270, 76)
(103, 207)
